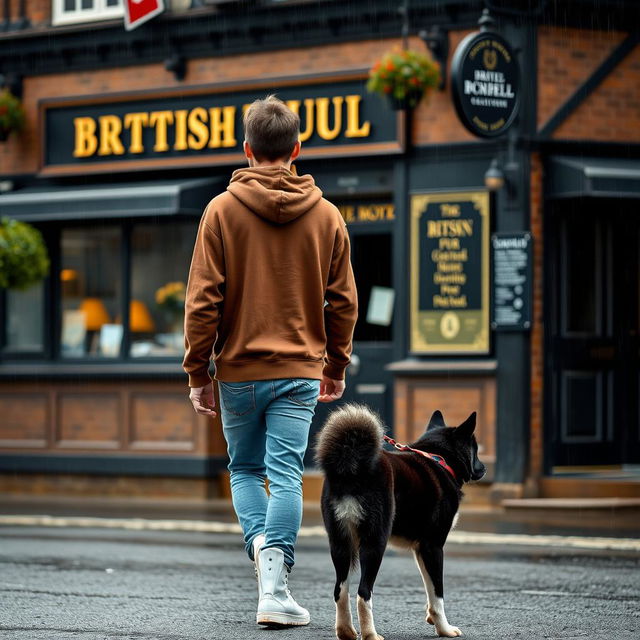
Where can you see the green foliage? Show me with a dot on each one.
(12, 116)
(404, 75)
(23, 255)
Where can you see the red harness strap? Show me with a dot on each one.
(432, 456)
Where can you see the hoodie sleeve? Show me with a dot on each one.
(203, 303)
(341, 310)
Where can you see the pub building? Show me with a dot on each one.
(494, 230)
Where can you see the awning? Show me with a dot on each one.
(161, 198)
(571, 177)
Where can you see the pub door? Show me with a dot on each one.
(366, 378)
(592, 355)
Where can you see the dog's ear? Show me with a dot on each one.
(436, 421)
(465, 430)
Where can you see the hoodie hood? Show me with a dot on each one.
(274, 193)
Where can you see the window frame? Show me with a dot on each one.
(100, 11)
(51, 347)
(8, 353)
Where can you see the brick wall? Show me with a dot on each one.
(435, 121)
(566, 58)
(38, 12)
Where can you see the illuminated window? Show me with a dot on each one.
(91, 287)
(71, 11)
(160, 258)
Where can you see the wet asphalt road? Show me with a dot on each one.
(89, 584)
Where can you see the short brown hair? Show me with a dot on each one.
(271, 129)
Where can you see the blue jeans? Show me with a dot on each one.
(266, 426)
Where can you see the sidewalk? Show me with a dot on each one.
(609, 518)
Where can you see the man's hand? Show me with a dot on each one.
(330, 390)
(203, 401)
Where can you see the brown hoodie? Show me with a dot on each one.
(271, 289)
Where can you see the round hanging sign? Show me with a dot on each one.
(485, 81)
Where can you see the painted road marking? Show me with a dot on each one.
(456, 537)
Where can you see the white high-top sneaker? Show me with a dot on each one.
(257, 543)
(277, 606)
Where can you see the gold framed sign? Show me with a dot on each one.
(449, 298)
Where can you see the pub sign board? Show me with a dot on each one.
(485, 81)
(203, 126)
(512, 275)
(449, 256)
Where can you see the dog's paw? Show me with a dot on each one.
(430, 619)
(373, 636)
(346, 633)
(448, 631)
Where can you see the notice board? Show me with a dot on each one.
(511, 281)
(449, 295)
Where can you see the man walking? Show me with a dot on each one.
(271, 292)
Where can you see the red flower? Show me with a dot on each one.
(3, 109)
(390, 66)
(387, 89)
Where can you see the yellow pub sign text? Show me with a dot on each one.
(203, 127)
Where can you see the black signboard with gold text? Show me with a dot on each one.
(202, 126)
(450, 272)
(485, 82)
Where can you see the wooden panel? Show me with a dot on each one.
(155, 417)
(582, 406)
(89, 420)
(418, 397)
(162, 421)
(24, 420)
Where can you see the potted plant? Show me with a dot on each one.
(405, 77)
(170, 298)
(23, 255)
(12, 116)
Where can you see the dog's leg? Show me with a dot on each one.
(429, 560)
(370, 559)
(342, 556)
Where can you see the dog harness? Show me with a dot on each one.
(432, 456)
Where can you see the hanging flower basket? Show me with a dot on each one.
(404, 77)
(12, 116)
(23, 255)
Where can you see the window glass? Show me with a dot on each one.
(90, 282)
(582, 265)
(160, 259)
(372, 267)
(25, 319)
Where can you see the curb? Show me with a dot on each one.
(455, 537)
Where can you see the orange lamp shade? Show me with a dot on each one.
(140, 320)
(95, 313)
(68, 275)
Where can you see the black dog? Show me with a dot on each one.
(372, 496)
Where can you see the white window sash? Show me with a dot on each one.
(100, 11)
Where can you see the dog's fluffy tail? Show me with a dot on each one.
(350, 441)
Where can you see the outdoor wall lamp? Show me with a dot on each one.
(494, 177)
(497, 177)
(436, 40)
